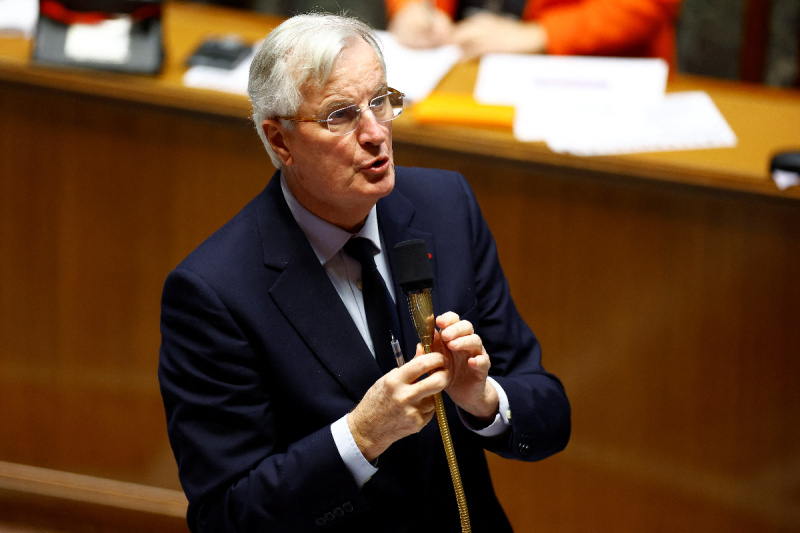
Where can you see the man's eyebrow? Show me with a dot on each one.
(330, 107)
(380, 90)
(336, 104)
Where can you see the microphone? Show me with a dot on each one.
(415, 275)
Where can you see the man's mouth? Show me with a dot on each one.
(378, 164)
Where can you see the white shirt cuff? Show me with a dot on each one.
(501, 420)
(354, 460)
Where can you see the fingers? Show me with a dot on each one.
(426, 374)
(396, 405)
(446, 320)
(459, 339)
(459, 335)
(473, 33)
(421, 364)
(427, 407)
(418, 25)
(488, 33)
(452, 328)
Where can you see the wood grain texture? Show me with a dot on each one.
(663, 288)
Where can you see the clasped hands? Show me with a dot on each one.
(401, 402)
(420, 25)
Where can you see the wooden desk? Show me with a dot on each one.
(663, 287)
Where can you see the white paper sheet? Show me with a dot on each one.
(18, 17)
(108, 41)
(511, 79)
(785, 179)
(679, 121)
(416, 72)
(600, 106)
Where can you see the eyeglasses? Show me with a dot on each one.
(345, 120)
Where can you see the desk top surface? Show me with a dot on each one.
(765, 120)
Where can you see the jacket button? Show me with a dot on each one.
(524, 449)
(320, 521)
(329, 517)
(348, 507)
(339, 512)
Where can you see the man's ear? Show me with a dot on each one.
(276, 136)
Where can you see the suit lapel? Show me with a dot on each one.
(305, 295)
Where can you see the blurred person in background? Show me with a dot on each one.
(615, 28)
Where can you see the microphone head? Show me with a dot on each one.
(413, 265)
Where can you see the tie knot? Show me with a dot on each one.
(362, 250)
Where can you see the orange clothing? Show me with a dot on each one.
(618, 28)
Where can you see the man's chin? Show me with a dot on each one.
(386, 183)
(382, 182)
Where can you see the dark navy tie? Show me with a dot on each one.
(378, 304)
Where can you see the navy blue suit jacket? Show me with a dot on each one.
(259, 356)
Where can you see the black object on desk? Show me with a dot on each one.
(220, 52)
(786, 161)
(117, 35)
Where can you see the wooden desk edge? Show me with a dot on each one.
(170, 93)
(502, 146)
(43, 483)
(139, 89)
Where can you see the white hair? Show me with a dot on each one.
(299, 51)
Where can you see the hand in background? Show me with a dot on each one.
(420, 25)
(486, 33)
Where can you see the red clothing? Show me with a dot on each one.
(618, 28)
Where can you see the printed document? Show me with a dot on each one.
(600, 106)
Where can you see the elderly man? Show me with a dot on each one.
(279, 414)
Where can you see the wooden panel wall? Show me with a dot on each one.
(669, 312)
(98, 202)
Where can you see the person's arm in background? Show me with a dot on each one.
(635, 28)
(487, 33)
(419, 23)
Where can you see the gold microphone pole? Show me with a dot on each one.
(416, 278)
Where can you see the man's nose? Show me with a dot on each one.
(369, 129)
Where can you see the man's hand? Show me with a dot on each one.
(401, 402)
(467, 365)
(487, 33)
(420, 25)
(397, 405)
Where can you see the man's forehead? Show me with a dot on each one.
(349, 92)
(348, 80)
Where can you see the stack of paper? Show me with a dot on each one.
(680, 121)
(600, 106)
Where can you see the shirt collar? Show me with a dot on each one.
(326, 239)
